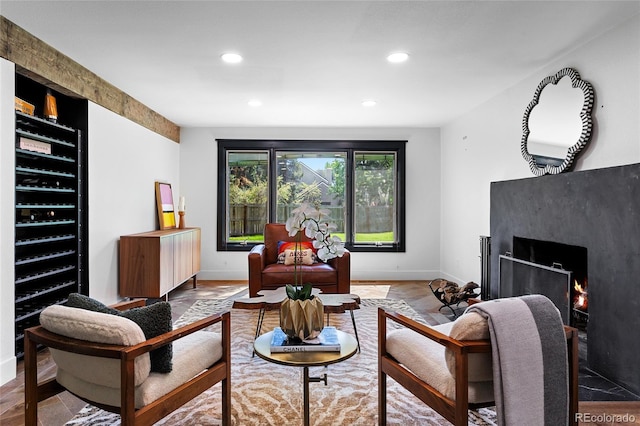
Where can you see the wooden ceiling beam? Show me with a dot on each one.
(39, 61)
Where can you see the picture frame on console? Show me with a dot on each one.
(164, 202)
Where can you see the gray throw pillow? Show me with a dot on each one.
(154, 320)
(77, 300)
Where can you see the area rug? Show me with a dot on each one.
(264, 393)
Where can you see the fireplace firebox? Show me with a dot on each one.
(556, 270)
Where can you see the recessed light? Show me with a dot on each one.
(398, 57)
(369, 103)
(231, 58)
(255, 103)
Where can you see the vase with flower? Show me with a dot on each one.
(301, 313)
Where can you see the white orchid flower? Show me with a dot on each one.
(301, 210)
(295, 221)
(336, 240)
(313, 214)
(340, 249)
(319, 237)
(324, 254)
(323, 213)
(310, 219)
(293, 226)
(310, 228)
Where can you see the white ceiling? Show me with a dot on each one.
(311, 63)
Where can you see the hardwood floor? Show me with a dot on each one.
(59, 409)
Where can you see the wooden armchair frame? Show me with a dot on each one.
(455, 411)
(150, 413)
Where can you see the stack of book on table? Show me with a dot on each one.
(327, 341)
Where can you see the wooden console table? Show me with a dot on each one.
(154, 263)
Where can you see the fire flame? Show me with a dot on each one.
(581, 300)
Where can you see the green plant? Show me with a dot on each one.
(303, 292)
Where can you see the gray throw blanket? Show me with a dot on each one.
(530, 366)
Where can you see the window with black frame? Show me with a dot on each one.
(360, 184)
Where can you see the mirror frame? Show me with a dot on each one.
(585, 117)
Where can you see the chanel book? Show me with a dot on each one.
(327, 341)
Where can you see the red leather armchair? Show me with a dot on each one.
(265, 273)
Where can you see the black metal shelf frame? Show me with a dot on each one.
(49, 236)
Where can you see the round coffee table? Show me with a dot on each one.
(348, 348)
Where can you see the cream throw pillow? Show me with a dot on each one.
(301, 257)
(471, 326)
(100, 328)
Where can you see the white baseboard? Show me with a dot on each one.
(8, 369)
(453, 278)
(372, 275)
(223, 275)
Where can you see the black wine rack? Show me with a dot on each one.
(48, 218)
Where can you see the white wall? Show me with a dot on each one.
(125, 160)
(7, 220)
(198, 149)
(484, 145)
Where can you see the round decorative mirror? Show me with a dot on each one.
(557, 122)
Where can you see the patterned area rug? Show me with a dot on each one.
(264, 393)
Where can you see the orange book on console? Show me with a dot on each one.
(327, 341)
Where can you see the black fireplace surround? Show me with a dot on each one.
(599, 210)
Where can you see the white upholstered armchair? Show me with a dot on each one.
(454, 367)
(104, 360)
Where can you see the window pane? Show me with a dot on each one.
(248, 195)
(358, 182)
(375, 197)
(314, 178)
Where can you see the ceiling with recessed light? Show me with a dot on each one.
(313, 63)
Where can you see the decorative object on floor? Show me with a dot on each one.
(557, 126)
(450, 293)
(301, 314)
(350, 398)
(454, 367)
(164, 203)
(103, 359)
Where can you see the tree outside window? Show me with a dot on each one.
(309, 178)
(247, 195)
(375, 197)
